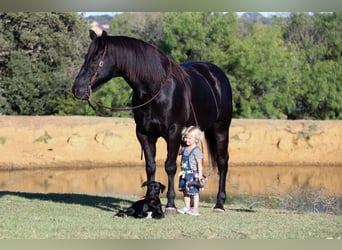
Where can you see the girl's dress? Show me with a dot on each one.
(189, 170)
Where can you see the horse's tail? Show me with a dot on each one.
(211, 147)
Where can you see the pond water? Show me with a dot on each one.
(253, 180)
(309, 188)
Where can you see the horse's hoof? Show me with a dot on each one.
(170, 211)
(218, 210)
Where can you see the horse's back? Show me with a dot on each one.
(212, 76)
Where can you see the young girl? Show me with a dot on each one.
(191, 166)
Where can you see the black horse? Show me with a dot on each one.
(166, 98)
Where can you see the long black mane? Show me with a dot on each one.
(142, 61)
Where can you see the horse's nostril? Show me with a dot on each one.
(75, 92)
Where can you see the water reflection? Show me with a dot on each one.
(251, 180)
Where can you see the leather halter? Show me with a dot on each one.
(99, 66)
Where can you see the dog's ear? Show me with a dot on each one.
(146, 183)
(162, 187)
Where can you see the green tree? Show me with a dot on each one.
(146, 26)
(39, 56)
(263, 74)
(193, 36)
(318, 39)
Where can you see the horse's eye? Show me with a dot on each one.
(95, 58)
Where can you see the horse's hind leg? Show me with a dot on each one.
(221, 135)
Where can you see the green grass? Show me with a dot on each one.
(81, 216)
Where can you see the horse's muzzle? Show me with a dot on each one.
(82, 93)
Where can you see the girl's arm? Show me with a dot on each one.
(200, 168)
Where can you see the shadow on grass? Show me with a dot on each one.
(244, 210)
(106, 203)
(111, 204)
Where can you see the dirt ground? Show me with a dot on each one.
(75, 142)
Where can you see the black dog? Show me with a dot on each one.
(149, 206)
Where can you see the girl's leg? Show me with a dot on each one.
(185, 209)
(187, 200)
(195, 208)
(196, 201)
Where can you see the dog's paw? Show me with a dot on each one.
(120, 214)
(149, 215)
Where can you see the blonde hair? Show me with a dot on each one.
(196, 132)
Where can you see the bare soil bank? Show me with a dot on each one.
(36, 142)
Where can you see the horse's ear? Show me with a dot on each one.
(92, 34)
(104, 38)
(104, 33)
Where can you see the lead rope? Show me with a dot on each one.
(127, 108)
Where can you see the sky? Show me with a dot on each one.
(86, 14)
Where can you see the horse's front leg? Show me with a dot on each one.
(171, 168)
(148, 145)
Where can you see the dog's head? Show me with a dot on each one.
(154, 188)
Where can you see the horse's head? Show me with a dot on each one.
(97, 67)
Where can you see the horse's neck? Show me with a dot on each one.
(140, 63)
(142, 88)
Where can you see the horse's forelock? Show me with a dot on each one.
(91, 51)
(93, 48)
